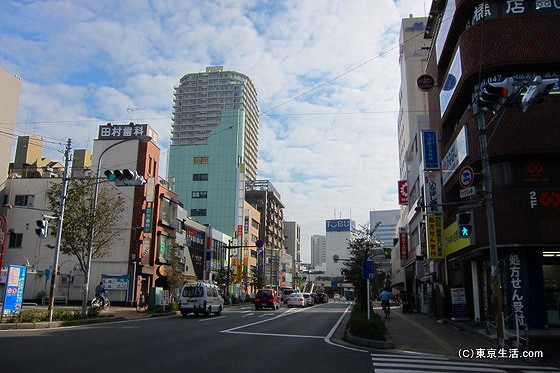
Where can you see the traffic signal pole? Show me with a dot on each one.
(59, 228)
(489, 201)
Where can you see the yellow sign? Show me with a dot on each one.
(434, 233)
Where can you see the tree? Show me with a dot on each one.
(362, 247)
(78, 219)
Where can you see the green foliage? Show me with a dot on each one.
(78, 218)
(360, 326)
(34, 315)
(362, 247)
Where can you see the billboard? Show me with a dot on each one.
(340, 225)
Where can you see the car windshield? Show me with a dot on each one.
(295, 295)
(192, 291)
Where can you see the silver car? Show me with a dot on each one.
(309, 301)
(296, 300)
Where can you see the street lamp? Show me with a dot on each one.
(144, 138)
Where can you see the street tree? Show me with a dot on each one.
(362, 247)
(78, 219)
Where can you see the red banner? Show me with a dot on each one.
(403, 242)
(403, 192)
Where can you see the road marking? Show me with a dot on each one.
(432, 363)
(277, 335)
(211, 318)
(332, 331)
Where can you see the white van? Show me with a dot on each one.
(200, 297)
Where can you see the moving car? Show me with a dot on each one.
(285, 293)
(309, 301)
(200, 297)
(296, 300)
(266, 298)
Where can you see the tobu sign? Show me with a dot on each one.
(340, 225)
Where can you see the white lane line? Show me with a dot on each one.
(331, 333)
(279, 335)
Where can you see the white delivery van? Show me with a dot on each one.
(200, 297)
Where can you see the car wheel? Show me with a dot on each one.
(219, 311)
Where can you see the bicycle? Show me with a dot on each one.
(386, 308)
(99, 303)
(142, 303)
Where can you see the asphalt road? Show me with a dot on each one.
(241, 340)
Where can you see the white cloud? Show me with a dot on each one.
(326, 74)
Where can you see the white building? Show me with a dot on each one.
(339, 233)
(318, 252)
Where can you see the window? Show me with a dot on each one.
(15, 240)
(200, 177)
(198, 212)
(199, 194)
(24, 200)
(201, 160)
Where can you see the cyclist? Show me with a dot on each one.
(100, 293)
(385, 297)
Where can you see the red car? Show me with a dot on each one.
(267, 298)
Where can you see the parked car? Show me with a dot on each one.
(296, 300)
(285, 293)
(267, 298)
(309, 301)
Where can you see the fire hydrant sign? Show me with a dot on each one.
(15, 283)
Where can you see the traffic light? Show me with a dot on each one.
(464, 224)
(43, 226)
(538, 89)
(125, 177)
(494, 95)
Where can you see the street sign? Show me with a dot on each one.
(470, 191)
(425, 82)
(466, 177)
(368, 269)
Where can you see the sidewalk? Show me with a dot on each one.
(415, 332)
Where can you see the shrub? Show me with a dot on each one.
(30, 315)
(360, 326)
(65, 314)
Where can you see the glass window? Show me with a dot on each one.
(200, 177)
(15, 240)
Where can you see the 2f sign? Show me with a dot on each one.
(533, 199)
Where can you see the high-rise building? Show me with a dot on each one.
(318, 251)
(385, 222)
(214, 145)
(339, 233)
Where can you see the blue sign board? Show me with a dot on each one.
(340, 225)
(15, 284)
(430, 146)
(368, 269)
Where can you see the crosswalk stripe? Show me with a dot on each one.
(387, 363)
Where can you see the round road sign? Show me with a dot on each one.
(466, 177)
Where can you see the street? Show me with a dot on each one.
(241, 340)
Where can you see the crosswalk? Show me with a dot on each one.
(388, 363)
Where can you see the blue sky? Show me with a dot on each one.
(326, 73)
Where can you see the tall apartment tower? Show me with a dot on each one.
(214, 145)
(318, 251)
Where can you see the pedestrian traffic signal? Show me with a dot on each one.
(538, 89)
(125, 177)
(43, 226)
(464, 225)
(494, 95)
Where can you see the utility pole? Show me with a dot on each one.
(59, 229)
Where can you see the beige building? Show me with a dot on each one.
(9, 97)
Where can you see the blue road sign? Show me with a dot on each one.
(368, 269)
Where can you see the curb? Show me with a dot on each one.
(366, 342)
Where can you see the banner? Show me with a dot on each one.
(403, 192)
